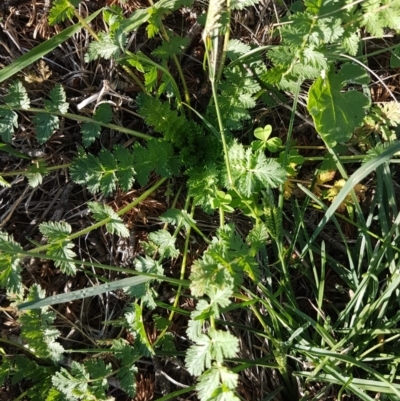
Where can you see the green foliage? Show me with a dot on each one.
(17, 98)
(146, 291)
(106, 47)
(85, 381)
(46, 123)
(173, 46)
(91, 130)
(59, 245)
(10, 269)
(19, 368)
(159, 157)
(35, 173)
(310, 35)
(115, 224)
(254, 263)
(252, 171)
(126, 373)
(105, 172)
(165, 243)
(62, 10)
(336, 114)
(36, 329)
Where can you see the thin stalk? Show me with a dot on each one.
(108, 219)
(84, 24)
(226, 41)
(25, 171)
(77, 117)
(178, 66)
(146, 60)
(182, 274)
(134, 78)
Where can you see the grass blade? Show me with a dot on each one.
(86, 292)
(39, 51)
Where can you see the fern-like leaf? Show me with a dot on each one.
(36, 329)
(253, 171)
(115, 225)
(59, 246)
(62, 10)
(10, 270)
(91, 130)
(126, 374)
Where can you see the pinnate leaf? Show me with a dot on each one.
(36, 329)
(215, 382)
(57, 101)
(105, 47)
(253, 171)
(91, 130)
(101, 212)
(165, 243)
(215, 346)
(168, 48)
(62, 10)
(17, 96)
(8, 121)
(126, 374)
(10, 270)
(105, 172)
(46, 124)
(59, 245)
(55, 230)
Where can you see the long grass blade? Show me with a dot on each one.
(41, 50)
(86, 292)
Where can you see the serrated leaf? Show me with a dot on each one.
(253, 171)
(57, 102)
(224, 345)
(165, 243)
(159, 156)
(55, 231)
(145, 291)
(62, 10)
(126, 374)
(63, 250)
(236, 48)
(105, 172)
(90, 132)
(175, 217)
(103, 113)
(4, 183)
(336, 114)
(8, 120)
(17, 96)
(198, 356)
(35, 173)
(101, 212)
(174, 46)
(258, 236)
(126, 172)
(36, 329)
(10, 270)
(46, 124)
(215, 381)
(105, 48)
(82, 382)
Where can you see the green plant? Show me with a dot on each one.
(256, 271)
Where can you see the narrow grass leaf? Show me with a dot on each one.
(86, 292)
(41, 50)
